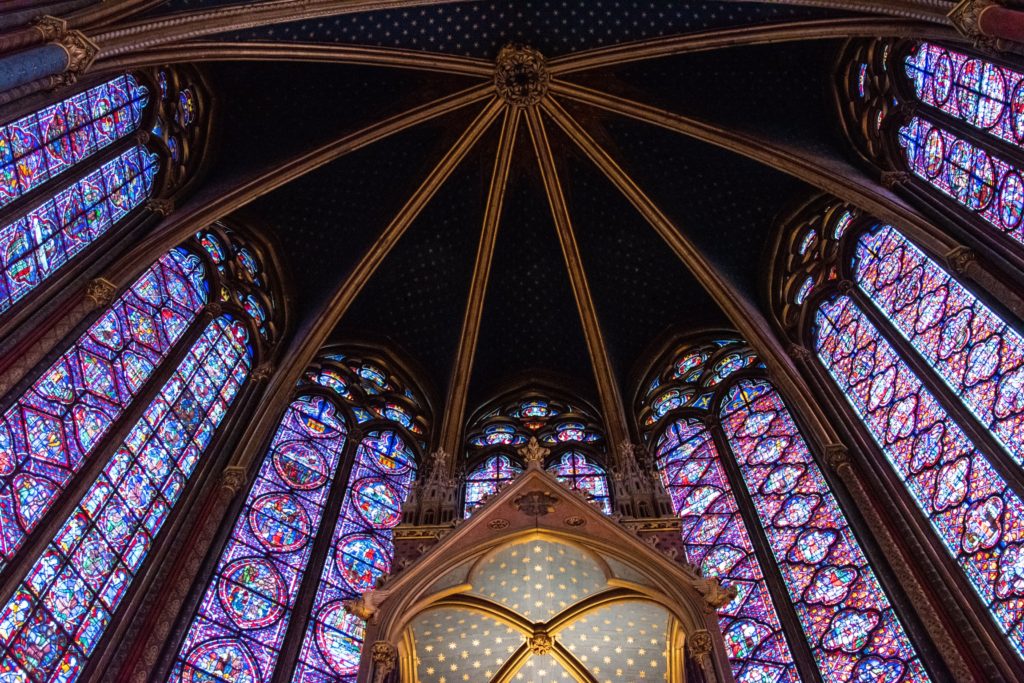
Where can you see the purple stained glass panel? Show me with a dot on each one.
(52, 623)
(850, 624)
(51, 430)
(974, 512)
(978, 355)
(977, 180)
(361, 552)
(243, 617)
(985, 95)
(718, 542)
(40, 242)
(41, 146)
(575, 470)
(487, 478)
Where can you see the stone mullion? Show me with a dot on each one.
(147, 600)
(947, 398)
(302, 612)
(803, 657)
(36, 541)
(925, 570)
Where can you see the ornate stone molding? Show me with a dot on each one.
(100, 292)
(51, 28)
(536, 503)
(384, 656)
(960, 258)
(521, 75)
(81, 52)
(715, 594)
(966, 18)
(232, 479)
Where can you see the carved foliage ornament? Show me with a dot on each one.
(385, 656)
(700, 644)
(100, 292)
(81, 51)
(533, 451)
(521, 75)
(966, 18)
(541, 643)
(50, 28)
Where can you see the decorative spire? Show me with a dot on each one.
(533, 453)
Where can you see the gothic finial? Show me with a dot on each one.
(533, 453)
(100, 292)
(521, 75)
(81, 51)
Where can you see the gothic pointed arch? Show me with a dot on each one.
(565, 433)
(927, 366)
(758, 513)
(105, 442)
(314, 529)
(91, 166)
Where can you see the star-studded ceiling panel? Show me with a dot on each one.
(538, 579)
(543, 669)
(418, 295)
(455, 644)
(554, 27)
(530, 322)
(624, 641)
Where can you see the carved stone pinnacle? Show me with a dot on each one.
(50, 28)
(700, 644)
(960, 258)
(100, 292)
(521, 75)
(81, 51)
(232, 479)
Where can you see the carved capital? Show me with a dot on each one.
(800, 353)
(263, 371)
(142, 137)
(50, 28)
(521, 75)
(844, 286)
(541, 643)
(213, 309)
(966, 18)
(81, 51)
(164, 207)
(232, 479)
(960, 258)
(837, 457)
(891, 179)
(699, 644)
(384, 656)
(100, 292)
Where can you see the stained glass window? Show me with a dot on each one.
(978, 180)
(57, 615)
(487, 477)
(51, 430)
(851, 626)
(42, 145)
(985, 95)
(361, 552)
(978, 355)
(974, 512)
(243, 617)
(717, 541)
(38, 243)
(582, 475)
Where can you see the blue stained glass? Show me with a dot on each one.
(40, 242)
(52, 624)
(41, 146)
(245, 612)
(576, 470)
(487, 478)
(361, 552)
(51, 430)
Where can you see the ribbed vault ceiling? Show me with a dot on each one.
(324, 222)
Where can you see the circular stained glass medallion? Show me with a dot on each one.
(279, 522)
(225, 661)
(378, 502)
(339, 637)
(362, 559)
(300, 466)
(1011, 201)
(252, 592)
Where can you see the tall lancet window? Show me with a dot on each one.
(931, 371)
(758, 513)
(316, 522)
(161, 339)
(951, 119)
(568, 429)
(82, 167)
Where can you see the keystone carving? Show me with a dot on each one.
(521, 75)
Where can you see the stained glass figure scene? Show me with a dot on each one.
(59, 612)
(56, 424)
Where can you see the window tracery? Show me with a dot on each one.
(568, 429)
(74, 170)
(741, 478)
(159, 333)
(349, 442)
(906, 345)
